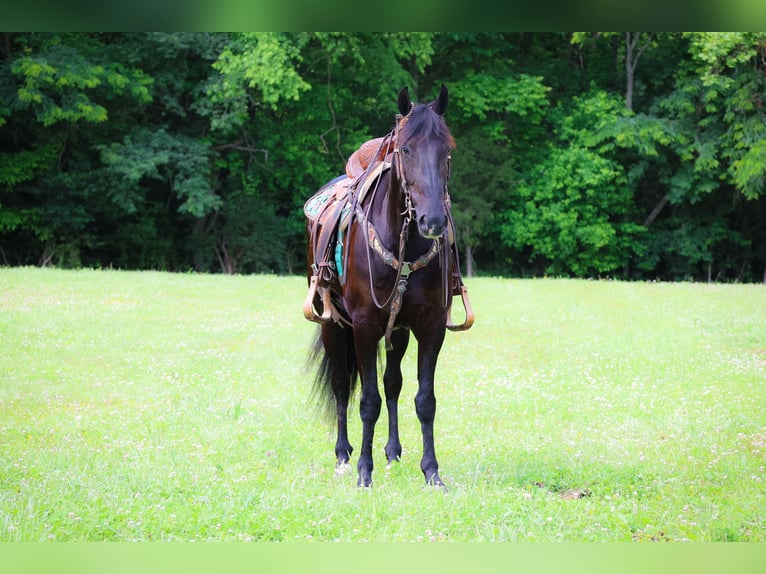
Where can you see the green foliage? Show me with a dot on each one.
(252, 235)
(180, 162)
(24, 165)
(197, 150)
(727, 70)
(261, 60)
(478, 96)
(58, 82)
(749, 170)
(570, 218)
(571, 214)
(12, 219)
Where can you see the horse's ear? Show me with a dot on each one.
(404, 101)
(439, 105)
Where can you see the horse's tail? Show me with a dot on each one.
(336, 371)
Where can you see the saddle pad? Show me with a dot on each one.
(318, 203)
(377, 171)
(337, 190)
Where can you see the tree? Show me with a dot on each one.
(58, 89)
(717, 114)
(573, 214)
(492, 114)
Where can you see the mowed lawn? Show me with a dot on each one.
(155, 406)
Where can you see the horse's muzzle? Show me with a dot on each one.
(432, 226)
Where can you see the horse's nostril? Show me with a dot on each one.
(432, 226)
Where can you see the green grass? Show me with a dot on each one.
(152, 406)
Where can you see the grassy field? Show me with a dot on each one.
(153, 406)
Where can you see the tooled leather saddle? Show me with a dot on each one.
(328, 211)
(371, 151)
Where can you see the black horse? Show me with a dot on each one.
(397, 276)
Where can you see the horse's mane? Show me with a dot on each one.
(422, 121)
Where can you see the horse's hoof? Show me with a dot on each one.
(436, 482)
(364, 483)
(393, 454)
(342, 468)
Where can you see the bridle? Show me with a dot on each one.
(403, 183)
(440, 245)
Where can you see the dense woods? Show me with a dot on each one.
(628, 155)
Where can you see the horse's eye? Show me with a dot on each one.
(406, 150)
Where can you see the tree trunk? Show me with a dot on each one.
(46, 259)
(630, 68)
(469, 267)
(656, 211)
(228, 265)
(631, 62)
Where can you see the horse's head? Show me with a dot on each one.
(422, 157)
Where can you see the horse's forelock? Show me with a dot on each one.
(422, 122)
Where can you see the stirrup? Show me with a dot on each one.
(308, 305)
(468, 313)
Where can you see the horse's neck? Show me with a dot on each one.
(386, 211)
(389, 221)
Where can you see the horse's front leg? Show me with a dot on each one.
(429, 345)
(370, 403)
(392, 383)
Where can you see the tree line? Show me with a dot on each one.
(630, 155)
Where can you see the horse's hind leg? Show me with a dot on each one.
(339, 349)
(392, 383)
